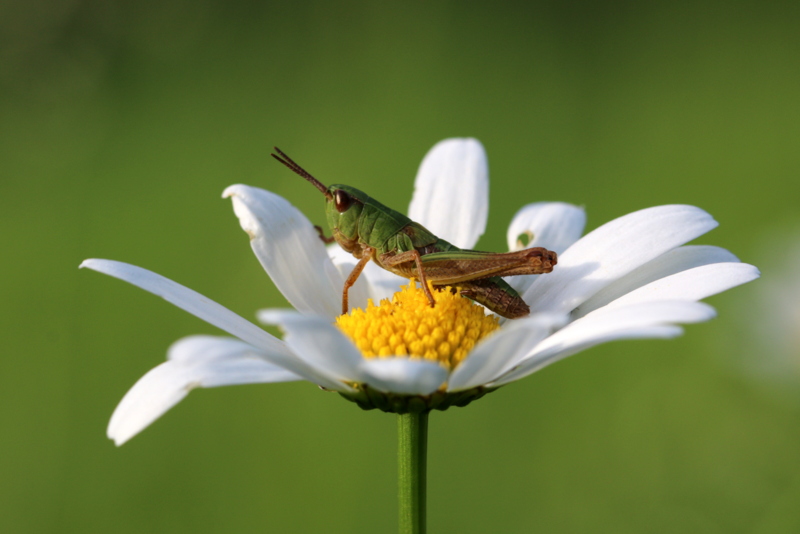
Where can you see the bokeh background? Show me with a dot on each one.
(122, 122)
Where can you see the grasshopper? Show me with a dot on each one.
(369, 230)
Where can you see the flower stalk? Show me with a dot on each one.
(412, 464)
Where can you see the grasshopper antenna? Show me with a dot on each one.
(289, 162)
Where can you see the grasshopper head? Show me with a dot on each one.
(342, 212)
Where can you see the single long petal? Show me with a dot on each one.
(641, 332)
(195, 361)
(317, 342)
(451, 191)
(211, 312)
(691, 284)
(200, 350)
(403, 375)
(501, 351)
(552, 225)
(289, 249)
(641, 320)
(612, 251)
(669, 263)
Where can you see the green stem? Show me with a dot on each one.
(412, 451)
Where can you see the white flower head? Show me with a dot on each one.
(766, 348)
(630, 278)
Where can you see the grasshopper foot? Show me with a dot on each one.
(321, 232)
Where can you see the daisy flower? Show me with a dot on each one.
(630, 278)
(775, 333)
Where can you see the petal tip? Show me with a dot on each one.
(274, 316)
(113, 433)
(94, 264)
(232, 190)
(459, 141)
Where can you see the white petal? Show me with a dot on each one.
(319, 343)
(451, 192)
(650, 319)
(641, 332)
(339, 255)
(552, 225)
(190, 301)
(501, 351)
(199, 350)
(196, 361)
(403, 375)
(289, 249)
(612, 251)
(669, 263)
(211, 312)
(156, 392)
(691, 284)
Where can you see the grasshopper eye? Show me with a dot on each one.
(342, 200)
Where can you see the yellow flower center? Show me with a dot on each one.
(408, 325)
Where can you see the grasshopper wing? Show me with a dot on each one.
(455, 266)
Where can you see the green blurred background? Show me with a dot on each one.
(122, 122)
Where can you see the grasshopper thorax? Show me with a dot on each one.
(356, 218)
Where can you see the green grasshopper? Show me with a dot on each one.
(369, 230)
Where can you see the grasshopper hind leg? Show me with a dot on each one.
(497, 295)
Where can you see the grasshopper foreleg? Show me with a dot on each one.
(321, 232)
(354, 274)
(391, 260)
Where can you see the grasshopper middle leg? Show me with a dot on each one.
(390, 259)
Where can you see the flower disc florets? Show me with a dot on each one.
(408, 326)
